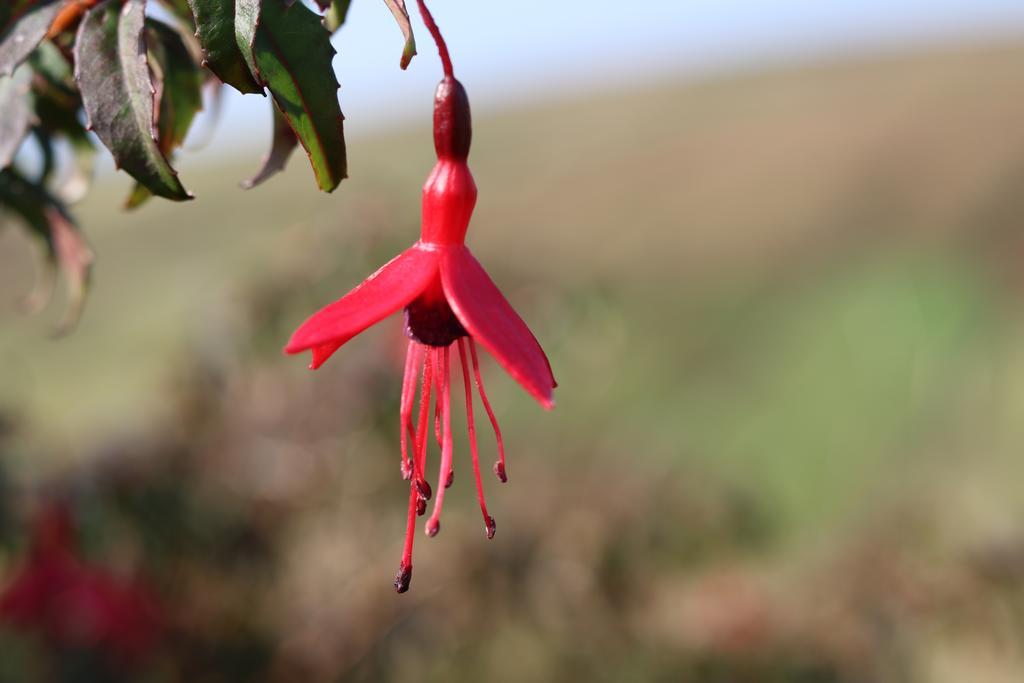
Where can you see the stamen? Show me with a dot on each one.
(420, 461)
(407, 434)
(489, 524)
(404, 576)
(437, 403)
(437, 413)
(411, 430)
(444, 397)
(499, 466)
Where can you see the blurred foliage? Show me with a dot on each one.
(272, 561)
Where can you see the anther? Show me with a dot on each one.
(403, 578)
(451, 478)
(491, 527)
(499, 471)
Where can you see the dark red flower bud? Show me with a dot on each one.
(57, 595)
(453, 127)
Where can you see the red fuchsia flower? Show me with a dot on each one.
(449, 300)
(71, 604)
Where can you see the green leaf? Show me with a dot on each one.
(179, 85)
(44, 141)
(293, 53)
(78, 182)
(336, 15)
(139, 196)
(57, 105)
(401, 14)
(20, 198)
(26, 200)
(55, 93)
(247, 17)
(15, 113)
(50, 63)
(65, 246)
(283, 144)
(75, 259)
(215, 28)
(113, 75)
(23, 24)
(213, 105)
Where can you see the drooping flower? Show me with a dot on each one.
(69, 603)
(449, 300)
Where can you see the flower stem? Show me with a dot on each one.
(442, 47)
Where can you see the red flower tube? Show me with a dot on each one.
(448, 300)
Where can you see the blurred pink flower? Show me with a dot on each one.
(69, 603)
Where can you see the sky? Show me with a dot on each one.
(509, 53)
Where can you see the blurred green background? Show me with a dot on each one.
(784, 310)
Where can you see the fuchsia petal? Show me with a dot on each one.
(491, 320)
(322, 353)
(388, 290)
